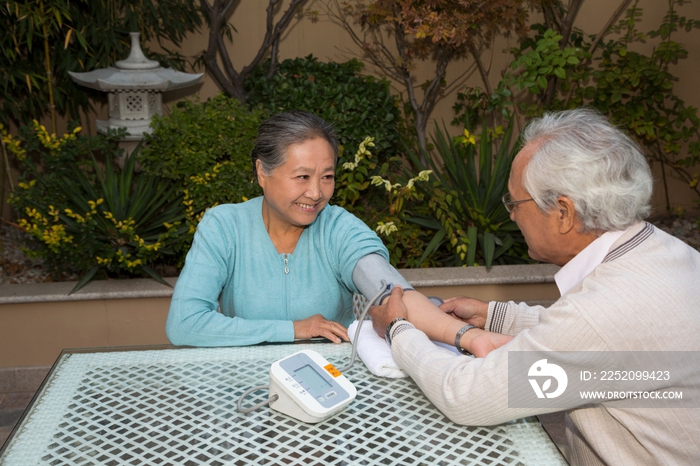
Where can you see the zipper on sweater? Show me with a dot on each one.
(286, 264)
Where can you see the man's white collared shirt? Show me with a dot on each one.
(585, 261)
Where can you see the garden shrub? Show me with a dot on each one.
(205, 147)
(357, 106)
(89, 218)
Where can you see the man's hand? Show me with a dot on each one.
(469, 310)
(383, 315)
(319, 326)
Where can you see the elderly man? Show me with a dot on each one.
(579, 191)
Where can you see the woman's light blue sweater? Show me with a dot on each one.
(234, 267)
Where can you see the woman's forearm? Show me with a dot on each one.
(430, 319)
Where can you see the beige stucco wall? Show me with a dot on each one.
(33, 334)
(328, 42)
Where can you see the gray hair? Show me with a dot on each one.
(282, 130)
(581, 155)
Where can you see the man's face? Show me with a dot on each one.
(541, 230)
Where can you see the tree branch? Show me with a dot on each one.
(210, 55)
(432, 92)
(480, 66)
(568, 23)
(389, 70)
(606, 29)
(267, 40)
(231, 72)
(459, 80)
(232, 81)
(566, 26)
(603, 32)
(280, 27)
(551, 19)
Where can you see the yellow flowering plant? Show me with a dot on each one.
(91, 218)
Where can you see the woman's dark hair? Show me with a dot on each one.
(282, 130)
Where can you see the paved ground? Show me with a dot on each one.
(553, 423)
(17, 387)
(11, 408)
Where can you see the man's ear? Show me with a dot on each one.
(566, 214)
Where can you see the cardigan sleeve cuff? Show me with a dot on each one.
(511, 318)
(283, 330)
(497, 316)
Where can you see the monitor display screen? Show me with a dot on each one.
(312, 378)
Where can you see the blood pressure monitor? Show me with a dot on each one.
(308, 387)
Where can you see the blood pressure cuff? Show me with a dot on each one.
(371, 270)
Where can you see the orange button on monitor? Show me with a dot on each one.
(332, 370)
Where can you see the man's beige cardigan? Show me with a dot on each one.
(645, 296)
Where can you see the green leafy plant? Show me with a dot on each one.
(205, 147)
(393, 197)
(465, 198)
(357, 106)
(45, 156)
(87, 219)
(353, 177)
(536, 63)
(404, 239)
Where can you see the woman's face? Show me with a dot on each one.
(297, 190)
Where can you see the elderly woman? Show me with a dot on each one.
(282, 266)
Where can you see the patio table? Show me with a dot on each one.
(178, 406)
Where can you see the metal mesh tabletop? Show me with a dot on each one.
(179, 407)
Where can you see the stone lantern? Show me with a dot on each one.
(134, 88)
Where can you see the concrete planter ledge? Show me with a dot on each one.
(149, 288)
(474, 276)
(98, 289)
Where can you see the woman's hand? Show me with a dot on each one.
(469, 310)
(319, 326)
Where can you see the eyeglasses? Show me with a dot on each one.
(510, 203)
